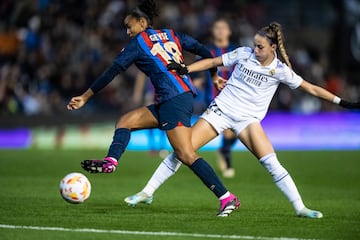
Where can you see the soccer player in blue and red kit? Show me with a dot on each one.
(151, 50)
(221, 44)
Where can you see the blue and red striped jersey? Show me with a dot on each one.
(151, 51)
(225, 72)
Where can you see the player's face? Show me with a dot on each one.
(221, 30)
(264, 51)
(134, 26)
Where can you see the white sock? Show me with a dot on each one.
(226, 195)
(166, 169)
(283, 180)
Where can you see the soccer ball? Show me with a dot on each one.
(75, 188)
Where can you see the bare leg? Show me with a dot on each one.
(180, 139)
(224, 154)
(258, 143)
(140, 118)
(137, 119)
(202, 133)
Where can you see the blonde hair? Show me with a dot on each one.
(274, 34)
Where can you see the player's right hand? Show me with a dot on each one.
(180, 69)
(76, 103)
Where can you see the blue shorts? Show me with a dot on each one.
(174, 112)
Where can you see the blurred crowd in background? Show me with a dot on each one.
(51, 50)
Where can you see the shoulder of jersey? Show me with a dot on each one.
(281, 69)
(130, 44)
(167, 29)
(241, 53)
(244, 51)
(280, 64)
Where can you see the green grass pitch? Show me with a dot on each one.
(29, 196)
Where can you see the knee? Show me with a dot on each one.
(123, 122)
(186, 157)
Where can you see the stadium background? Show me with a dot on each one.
(52, 50)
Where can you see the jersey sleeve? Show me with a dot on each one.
(105, 78)
(192, 45)
(128, 55)
(231, 58)
(290, 78)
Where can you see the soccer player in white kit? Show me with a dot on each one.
(241, 105)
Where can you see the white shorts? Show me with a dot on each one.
(220, 121)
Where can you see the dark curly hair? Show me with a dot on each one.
(146, 9)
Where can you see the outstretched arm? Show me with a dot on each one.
(198, 66)
(205, 64)
(108, 75)
(79, 101)
(201, 65)
(317, 91)
(192, 45)
(326, 95)
(126, 57)
(209, 63)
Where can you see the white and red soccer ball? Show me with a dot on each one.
(75, 188)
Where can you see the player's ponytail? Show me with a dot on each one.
(274, 34)
(276, 27)
(146, 9)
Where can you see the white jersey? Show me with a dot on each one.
(251, 87)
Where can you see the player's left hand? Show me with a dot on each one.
(219, 82)
(349, 105)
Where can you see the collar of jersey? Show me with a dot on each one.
(272, 65)
(148, 28)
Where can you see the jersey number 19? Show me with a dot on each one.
(168, 51)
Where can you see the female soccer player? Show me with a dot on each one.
(221, 44)
(242, 104)
(151, 50)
